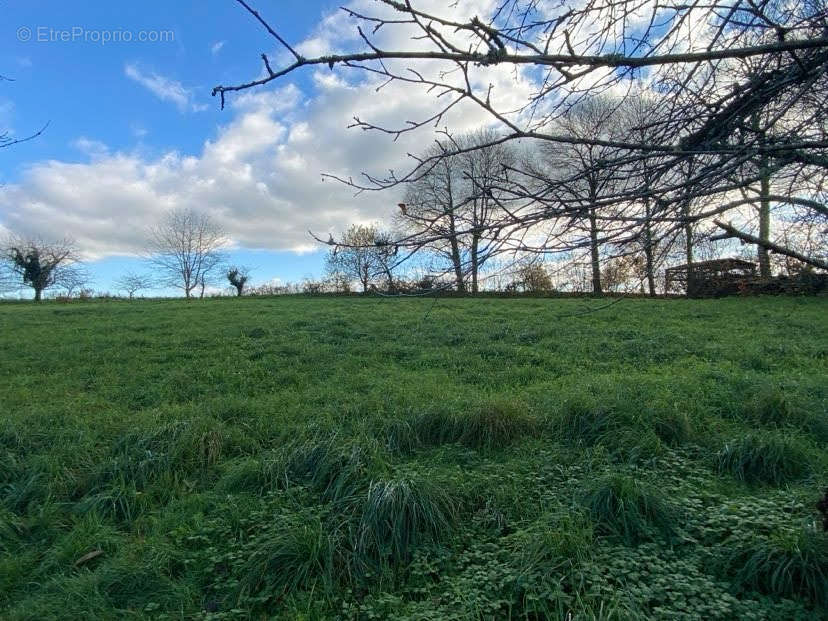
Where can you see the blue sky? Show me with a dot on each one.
(80, 86)
(133, 130)
(83, 89)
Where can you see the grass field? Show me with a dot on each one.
(409, 459)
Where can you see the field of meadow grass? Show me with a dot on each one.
(301, 458)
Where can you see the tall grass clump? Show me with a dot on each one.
(338, 467)
(673, 428)
(490, 425)
(624, 507)
(288, 555)
(790, 564)
(556, 544)
(585, 421)
(495, 424)
(764, 458)
(395, 516)
(255, 475)
(771, 406)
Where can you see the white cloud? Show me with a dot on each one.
(216, 47)
(164, 88)
(95, 149)
(259, 175)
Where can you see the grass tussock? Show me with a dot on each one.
(397, 515)
(556, 544)
(791, 564)
(491, 425)
(627, 508)
(338, 468)
(764, 458)
(673, 428)
(622, 428)
(298, 555)
(771, 407)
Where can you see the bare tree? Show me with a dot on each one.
(40, 265)
(186, 247)
(238, 276)
(702, 122)
(132, 283)
(533, 278)
(387, 257)
(450, 209)
(577, 173)
(74, 279)
(363, 254)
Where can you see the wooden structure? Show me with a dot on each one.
(708, 278)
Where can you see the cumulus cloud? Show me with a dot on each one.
(164, 88)
(259, 175)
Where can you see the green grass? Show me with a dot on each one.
(621, 505)
(765, 458)
(354, 458)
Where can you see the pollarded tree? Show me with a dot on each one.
(40, 265)
(187, 248)
(238, 277)
(386, 256)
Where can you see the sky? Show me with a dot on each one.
(124, 90)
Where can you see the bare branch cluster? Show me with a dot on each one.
(187, 249)
(645, 122)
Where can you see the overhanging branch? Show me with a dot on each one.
(730, 231)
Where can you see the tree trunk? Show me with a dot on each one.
(456, 259)
(455, 246)
(390, 277)
(593, 249)
(764, 221)
(474, 261)
(648, 250)
(38, 294)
